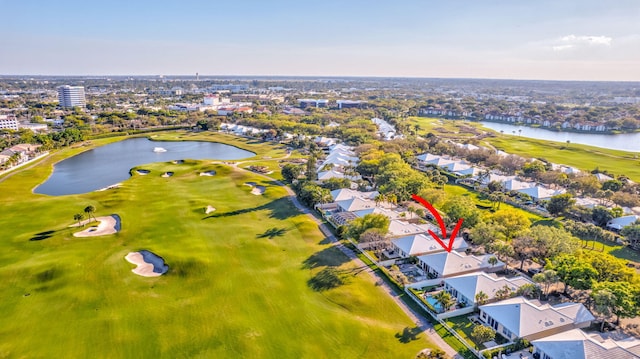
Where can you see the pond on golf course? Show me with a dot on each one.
(107, 165)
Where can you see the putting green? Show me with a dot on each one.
(254, 279)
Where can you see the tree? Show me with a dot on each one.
(89, 210)
(632, 235)
(528, 290)
(548, 277)
(291, 172)
(574, 272)
(482, 333)
(481, 298)
(444, 299)
(603, 303)
(462, 207)
(493, 261)
(486, 233)
(513, 222)
(503, 293)
(359, 225)
(626, 298)
(601, 215)
(560, 204)
(524, 247)
(377, 239)
(78, 217)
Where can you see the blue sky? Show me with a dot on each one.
(542, 39)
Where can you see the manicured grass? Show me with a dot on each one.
(461, 191)
(463, 327)
(250, 280)
(583, 157)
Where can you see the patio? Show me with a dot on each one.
(412, 272)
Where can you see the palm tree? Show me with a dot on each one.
(493, 261)
(78, 217)
(444, 299)
(482, 297)
(89, 211)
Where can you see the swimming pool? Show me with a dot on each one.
(434, 303)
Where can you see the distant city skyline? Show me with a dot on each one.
(501, 39)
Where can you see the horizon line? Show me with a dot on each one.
(312, 77)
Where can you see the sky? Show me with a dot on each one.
(503, 39)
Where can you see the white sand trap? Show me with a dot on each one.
(105, 225)
(256, 190)
(208, 173)
(143, 172)
(167, 174)
(113, 186)
(209, 209)
(148, 264)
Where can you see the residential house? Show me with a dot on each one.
(521, 318)
(449, 264)
(577, 344)
(345, 193)
(421, 244)
(540, 193)
(464, 288)
(618, 223)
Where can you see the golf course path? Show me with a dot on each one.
(425, 326)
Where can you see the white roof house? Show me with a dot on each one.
(378, 210)
(355, 204)
(399, 228)
(577, 344)
(449, 264)
(520, 318)
(514, 185)
(540, 193)
(427, 157)
(465, 287)
(346, 193)
(325, 175)
(621, 222)
(419, 244)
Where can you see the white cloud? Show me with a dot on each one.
(572, 42)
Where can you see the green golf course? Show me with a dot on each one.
(252, 279)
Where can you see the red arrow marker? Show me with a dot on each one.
(443, 227)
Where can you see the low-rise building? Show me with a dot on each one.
(577, 344)
(520, 318)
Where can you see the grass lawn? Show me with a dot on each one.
(618, 251)
(461, 191)
(583, 157)
(254, 279)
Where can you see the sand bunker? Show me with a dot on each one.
(148, 264)
(209, 209)
(167, 174)
(113, 186)
(105, 225)
(208, 173)
(256, 190)
(143, 172)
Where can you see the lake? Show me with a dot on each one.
(107, 165)
(624, 141)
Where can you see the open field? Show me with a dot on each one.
(254, 279)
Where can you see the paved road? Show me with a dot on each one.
(420, 321)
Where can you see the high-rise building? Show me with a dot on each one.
(71, 96)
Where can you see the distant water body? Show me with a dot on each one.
(107, 165)
(624, 141)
